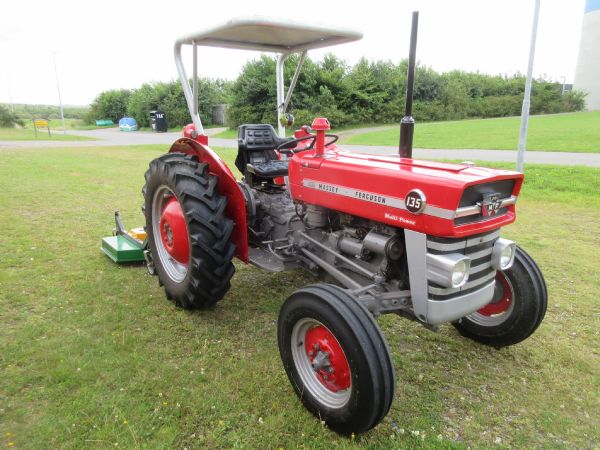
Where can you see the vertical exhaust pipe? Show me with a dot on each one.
(407, 124)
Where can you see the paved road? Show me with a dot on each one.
(109, 137)
(114, 137)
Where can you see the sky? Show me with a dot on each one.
(110, 44)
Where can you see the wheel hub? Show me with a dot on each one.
(327, 359)
(503, 297)
(173, 232)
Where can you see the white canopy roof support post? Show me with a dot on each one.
(280, 91)
(294, 80)
(187, 91)
(195, 75)
(282, 104)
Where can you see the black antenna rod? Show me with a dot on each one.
(407, 124)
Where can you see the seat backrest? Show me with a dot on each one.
(257, 137)
(256, 144)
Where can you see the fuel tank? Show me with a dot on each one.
(439, 199)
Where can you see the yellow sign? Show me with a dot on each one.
(41, 123)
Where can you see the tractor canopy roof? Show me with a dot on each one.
(263, 34)
(270, 35)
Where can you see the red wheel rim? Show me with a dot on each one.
(503, 303)
(174, 233)
(327, 359)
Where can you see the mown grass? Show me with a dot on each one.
(25, 134)
(92, 355)
(575, 132)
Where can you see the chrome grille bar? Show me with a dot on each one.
(476, 248)
(476, 209)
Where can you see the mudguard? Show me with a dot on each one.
(228, 186)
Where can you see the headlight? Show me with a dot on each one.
(503, 254)
(448, 270)
(460, 273)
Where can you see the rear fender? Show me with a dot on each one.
(228, 186)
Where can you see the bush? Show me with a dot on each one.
(373, 92)
(368, 92)
(167, 97)
(8, 119)
(109, 105)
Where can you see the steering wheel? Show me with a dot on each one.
(287, 146)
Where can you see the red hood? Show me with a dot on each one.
(392, 177)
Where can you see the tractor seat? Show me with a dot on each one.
(256, 151)
(269, 169)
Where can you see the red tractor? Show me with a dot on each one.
(385, 234)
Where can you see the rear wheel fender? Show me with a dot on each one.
(227, 186)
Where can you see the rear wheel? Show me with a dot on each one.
(188, 232)
(336, 358)
(517, 309)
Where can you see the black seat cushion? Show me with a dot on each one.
(270, 169)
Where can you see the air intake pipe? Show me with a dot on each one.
(407, 124)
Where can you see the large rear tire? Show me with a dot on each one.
(336, 358)
(188, 231)
(518, 307)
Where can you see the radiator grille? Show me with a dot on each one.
(478, 248)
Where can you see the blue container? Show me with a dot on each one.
(128, 124)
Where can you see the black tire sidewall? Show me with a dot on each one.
(358, 414)
(529, 299)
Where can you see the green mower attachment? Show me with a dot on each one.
(123, 247)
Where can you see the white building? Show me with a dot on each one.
(587, 73)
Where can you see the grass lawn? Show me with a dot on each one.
(70, 124)
(576, 132)
(16, 134)
(92, 355)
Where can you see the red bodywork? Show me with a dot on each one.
(228, 187)
(374, 187)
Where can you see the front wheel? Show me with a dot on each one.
(517, 309)
(336, 358)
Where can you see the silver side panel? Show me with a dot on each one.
(416, 253)
(439, 311)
